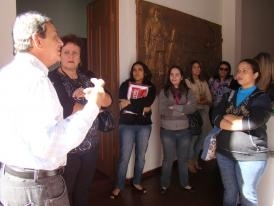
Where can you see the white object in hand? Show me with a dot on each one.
(91, 93)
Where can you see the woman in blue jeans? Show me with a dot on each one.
(136, 96)
(175, 101)
(242, 144)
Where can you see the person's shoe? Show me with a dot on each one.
(115, 194)
(188, 189)
(138, 188)
(163, 190)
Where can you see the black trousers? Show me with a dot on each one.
(78, 175)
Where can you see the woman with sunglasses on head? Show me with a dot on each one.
(219, 84)
(242, 143)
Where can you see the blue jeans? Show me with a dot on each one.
(175, 143)
(131, 135)
(49, 191)
(240, 177)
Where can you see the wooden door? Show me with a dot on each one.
(103, 56)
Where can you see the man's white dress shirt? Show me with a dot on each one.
(33, 133)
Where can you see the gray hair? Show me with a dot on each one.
(25, 26)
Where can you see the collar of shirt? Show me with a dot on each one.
(25, 56)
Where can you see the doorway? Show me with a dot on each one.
(102, 51)
(103, 58)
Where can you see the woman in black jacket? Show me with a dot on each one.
(136, 96)
(69, 83)
(242, 144)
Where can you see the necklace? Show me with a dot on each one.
(74, 82)
(73, 78)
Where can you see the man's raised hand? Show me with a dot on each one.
(97, 93)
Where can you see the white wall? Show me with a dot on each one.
(69, 16)
(231, 27)
(257, 27)
(266, 186)
(7, 16)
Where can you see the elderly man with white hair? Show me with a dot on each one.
(34, 137)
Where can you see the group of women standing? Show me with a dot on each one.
(176, 100)
(241, 144)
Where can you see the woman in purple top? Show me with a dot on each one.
(219, 84)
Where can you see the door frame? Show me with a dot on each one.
(103, 60)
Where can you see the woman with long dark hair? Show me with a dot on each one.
(136, 96)
(175, 101)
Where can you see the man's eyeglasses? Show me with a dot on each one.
(223, 69)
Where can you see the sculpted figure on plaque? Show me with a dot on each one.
(158, 45)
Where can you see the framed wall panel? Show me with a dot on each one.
(167, 37)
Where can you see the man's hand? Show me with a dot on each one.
(95, 94)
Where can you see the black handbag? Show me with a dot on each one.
(106, 121)
(195, 123)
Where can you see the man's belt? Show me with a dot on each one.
(30, 173)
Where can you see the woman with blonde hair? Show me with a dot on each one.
(266, 82)
(266, 66)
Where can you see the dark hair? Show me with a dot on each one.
(254, 66)
(201, 76)
(71, 38)
(216, 73)
(147, 72)
(169, 86)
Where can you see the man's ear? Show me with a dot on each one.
(36, 40)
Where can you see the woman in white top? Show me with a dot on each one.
(199, 86)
